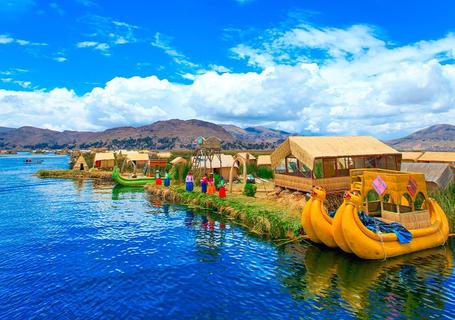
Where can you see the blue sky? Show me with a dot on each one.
(320, 67)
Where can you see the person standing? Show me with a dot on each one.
(167, 179)
(211, 185)
(204, 182)
(189, 182)
(158, 180)
(221, 189)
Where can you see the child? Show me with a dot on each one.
(221, 189)
(167, 179)
(158, 180)
(211, 185)
(189, 182)
(204, 182)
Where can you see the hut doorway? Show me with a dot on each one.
(82, 167)
(239, 159)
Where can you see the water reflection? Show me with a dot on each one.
(118, 190)
(369, 288)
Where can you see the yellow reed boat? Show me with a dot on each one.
(395, 197)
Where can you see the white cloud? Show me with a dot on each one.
(60, 59)
(102, 47)
(362, 85)
(5, 39)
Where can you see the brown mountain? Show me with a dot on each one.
(257, 134)
(170, 134)
(440, 137)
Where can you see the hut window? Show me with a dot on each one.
(381, 162)
(391, 162)
(342, 167)
(370, 162)
(358, 162)
(317, 169)
(330, 168)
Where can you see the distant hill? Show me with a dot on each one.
(440, 137)
(5, 129)
(169, 134)
(257, 134)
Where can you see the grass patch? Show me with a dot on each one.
(261, 216)
(446, 199)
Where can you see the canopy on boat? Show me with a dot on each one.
(307, 149)
(178, 160)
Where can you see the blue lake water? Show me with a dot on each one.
(81, 249)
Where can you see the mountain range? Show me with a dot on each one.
(440, 137)
(169, 134)
(180, 134)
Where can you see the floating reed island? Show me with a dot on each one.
(75, 174)
(263, 217)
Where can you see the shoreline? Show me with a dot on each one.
(256, 215)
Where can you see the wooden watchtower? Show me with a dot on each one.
(205, 152)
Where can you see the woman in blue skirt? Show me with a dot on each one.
(189, 182)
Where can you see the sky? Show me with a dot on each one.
(382, 68)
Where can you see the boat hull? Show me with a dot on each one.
(130, 182)
(368, 245)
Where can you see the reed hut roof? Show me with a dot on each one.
(104, 156)
(438, 157)
(137, 157)
(164, 155)
(178, 160)
(411, 156)
(438, 173)
(307, 149)
(264, 160)
(80, 160)
(246, 155)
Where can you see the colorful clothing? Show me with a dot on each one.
(221, 189)
(222, 192)
(211, 186)
(167, 180)
(158, 181)
(204, 182)
(189, 183)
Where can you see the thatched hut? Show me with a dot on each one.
(264, 161)
(139, 160)
(104, 160)
(302, 162)
(437, 175)
(249, 158)
(164, 155)
(178, 161)
(438, 157)
(222, 168)
(80, 164)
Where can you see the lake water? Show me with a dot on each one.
(72, 249)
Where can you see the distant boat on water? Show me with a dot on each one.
(32, 161)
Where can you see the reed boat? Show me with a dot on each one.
(130, 182)
(320, 221)
(367, 244)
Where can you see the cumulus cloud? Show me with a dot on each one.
(361, 84)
